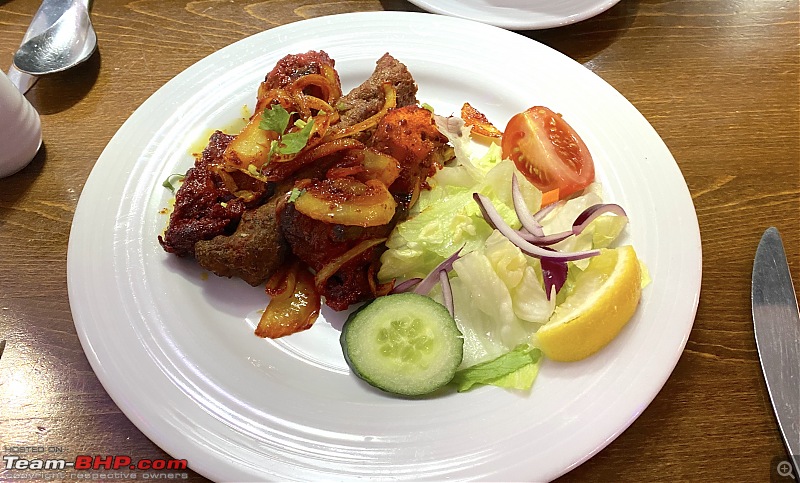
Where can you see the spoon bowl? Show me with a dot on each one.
(70, 40)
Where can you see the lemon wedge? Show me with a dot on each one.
(604, 299)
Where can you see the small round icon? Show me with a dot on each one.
(785, 469)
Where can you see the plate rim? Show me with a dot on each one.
(523, 22)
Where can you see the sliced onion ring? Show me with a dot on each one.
(437, 275)
(447, 292)
(334, 265)
(530, 223)
(591, 213)
(539, 215)
(406, 285)
(581, 222)
(493, 218)
(554, 274)
(432, 279)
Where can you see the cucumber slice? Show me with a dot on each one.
(403, 343)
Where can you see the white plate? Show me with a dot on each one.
(519, 14)
(176, 351)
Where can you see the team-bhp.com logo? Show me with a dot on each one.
(86, 462)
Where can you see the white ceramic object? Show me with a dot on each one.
(175, 349)
(519, 14)
(20, 129)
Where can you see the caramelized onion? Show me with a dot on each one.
(334, 265)
(378, 289)
(313, 80)
(478, 122)
(281, 171)
(294, 309)
(282, 283)
(380, 166)
(346, 201)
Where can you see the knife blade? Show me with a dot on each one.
(776, 323)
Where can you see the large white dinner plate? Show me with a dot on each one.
(175, 349)
(519, 14)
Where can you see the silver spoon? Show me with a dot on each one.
(67, 39)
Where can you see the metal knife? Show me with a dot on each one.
(776, 323)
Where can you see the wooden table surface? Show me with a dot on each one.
(717, 80)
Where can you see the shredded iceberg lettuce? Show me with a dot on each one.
(446, 217)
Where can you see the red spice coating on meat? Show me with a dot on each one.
(317, 243)
(204, 208)
(294, 66)
(409, 134)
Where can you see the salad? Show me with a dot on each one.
(501, 291)
(467, 269)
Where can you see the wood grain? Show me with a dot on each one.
(717, 80)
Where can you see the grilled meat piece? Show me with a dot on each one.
(253, 252)
(367, 99)
(204, 208)
(317, 243)
(410, 136)
(294, 66)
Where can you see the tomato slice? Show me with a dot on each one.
(548, 151)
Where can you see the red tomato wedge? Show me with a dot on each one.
(548, 151)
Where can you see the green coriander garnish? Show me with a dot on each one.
(276, 119)
(168, 182)
(295, 194)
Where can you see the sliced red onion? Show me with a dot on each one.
(485, 214)
(407, 285)
(581, 222)
(554, 274)
(546, 240)
(437, 275)
(433, 278)
(494, 219)
(591, 213)
(525, 216)
(539, 215)
(447, 292)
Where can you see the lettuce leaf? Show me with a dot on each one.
(498, 298)
(446, 217)
(516, 369)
